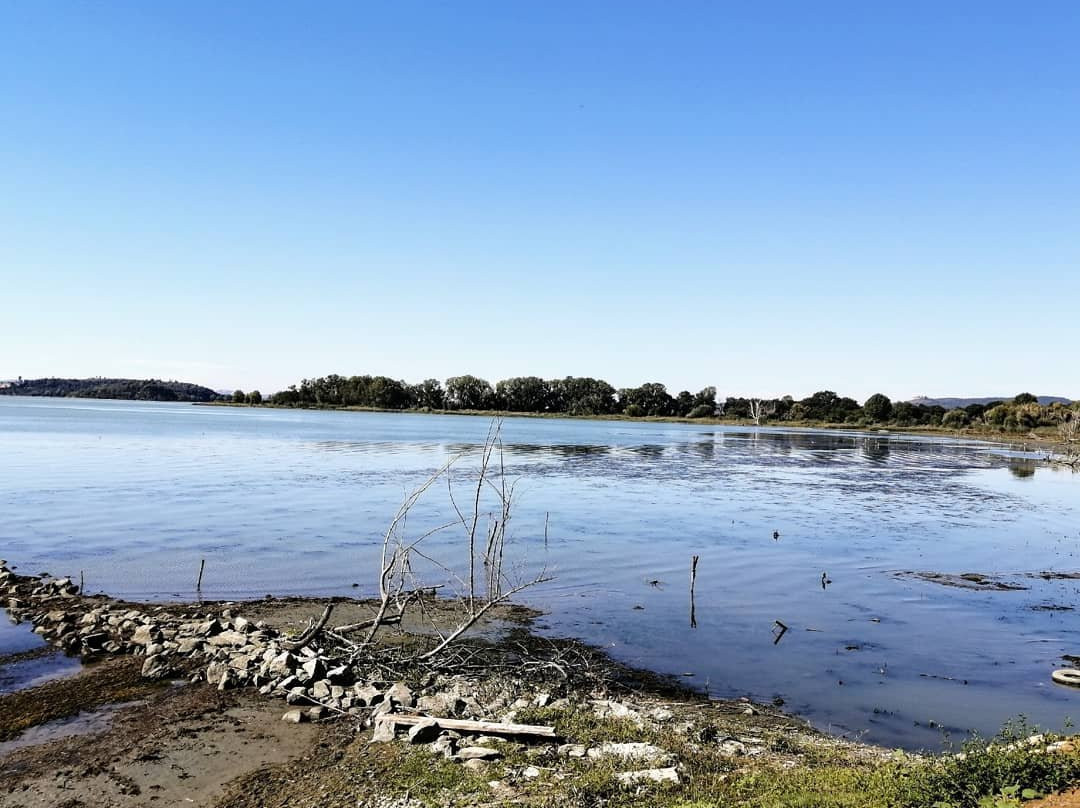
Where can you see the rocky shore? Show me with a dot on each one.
(238, 705)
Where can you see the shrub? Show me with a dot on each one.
(955, 419)
(635, 410)
(878, 408)
(701, 411)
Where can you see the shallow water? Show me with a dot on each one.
(135, 494)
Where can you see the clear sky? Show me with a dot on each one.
(773, 197)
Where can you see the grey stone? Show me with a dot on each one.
(478, 753)
(295, 717)
(384, 731)
(668, 775)
(400, 694)
(156, 666)
(424, 732)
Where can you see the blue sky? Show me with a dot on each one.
(768, 197)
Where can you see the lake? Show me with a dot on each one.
(134, 495)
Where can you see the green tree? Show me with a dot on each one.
(238, 397)
(254, 397)
(878, 408)
(468, 393)
(1025, 398)
(955, 419)
(524, 394)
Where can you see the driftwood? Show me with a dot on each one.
(476, 727)
(311, 632)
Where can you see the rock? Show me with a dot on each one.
(542, 700)
(732, 748)
(444, 744)
(669, 775)
(475, 764)
(661, 714)
(367, 695)
(242, 624)
(444, 704)
(241, 662)
(339, 675)
(401, 695)
(295, 717)
(189, 645)
(156, 666)
(615, 709)
(283, 664)
(321, 689)
(215, 670)
(144, 635)
(298, 695)
(424, 732)
(574, 750)
(478, 753)
(530, 772)
(228, 638)
(317, 713)
(384, 731)
(311, 671)
(629, 751)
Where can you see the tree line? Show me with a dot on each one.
(123, 389)
(579, 396)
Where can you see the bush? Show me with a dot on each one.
(955, 419)
(702, 411)
(878, 408)
(635, 411)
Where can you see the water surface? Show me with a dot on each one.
(135, 494)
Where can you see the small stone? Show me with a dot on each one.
(321, 690)
(295, 717)
(669, 775)
(478, 753)
(384, 731)
(311, 671)
(426, 731)
(530, 772)
(298, 695)
(367, 695)
(475, 764)
(317, 713)
(156, 666)
(733, 748)
(444, 744)
(282, 665)
(400, 694)
(574, 750)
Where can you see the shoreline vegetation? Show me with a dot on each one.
(1023, 417)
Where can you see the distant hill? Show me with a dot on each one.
(952, 403)
(124, 389)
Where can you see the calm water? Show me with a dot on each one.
(134, 494)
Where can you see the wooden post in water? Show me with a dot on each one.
(81, 587)
(693, 581)
(198, 583)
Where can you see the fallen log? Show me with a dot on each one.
(462, 725)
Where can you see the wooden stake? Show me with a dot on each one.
(693, 582)
(198, 583)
